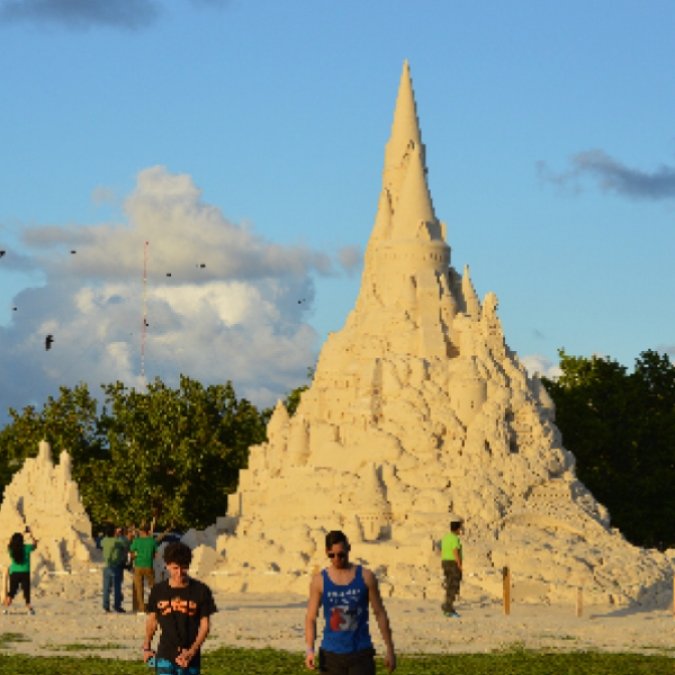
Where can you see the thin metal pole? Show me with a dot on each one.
(144, 326)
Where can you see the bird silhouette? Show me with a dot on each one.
(2, 253)
(48, 342)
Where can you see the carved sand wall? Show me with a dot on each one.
(44, 497)
(418, 408)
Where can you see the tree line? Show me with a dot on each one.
(168, 454)
(174, 454)
(620, 425)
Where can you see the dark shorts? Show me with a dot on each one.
(358, 663)
(22, 579)
(453, 579)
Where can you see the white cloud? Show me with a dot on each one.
(536, 364)
(229, 309)
(350, 258)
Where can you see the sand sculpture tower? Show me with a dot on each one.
(418, 409)
(44, 496)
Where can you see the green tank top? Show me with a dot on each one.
(449, 543)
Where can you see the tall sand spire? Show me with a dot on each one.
(405, 134)
(418, 409)
(414, 202)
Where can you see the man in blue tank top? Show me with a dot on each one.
(344, 590)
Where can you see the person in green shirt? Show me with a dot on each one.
(19, 570)
(114, 558)
(143, 550)
(451, 560)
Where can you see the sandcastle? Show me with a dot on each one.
(44, 497)
(417, 409)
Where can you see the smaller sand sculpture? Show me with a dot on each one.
(44, 497)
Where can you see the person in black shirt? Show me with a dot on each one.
(181, 607)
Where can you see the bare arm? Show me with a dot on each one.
(150, 628)
(382, 619)
(313, 604)
(186, 655)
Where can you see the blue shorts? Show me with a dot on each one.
(166, 667)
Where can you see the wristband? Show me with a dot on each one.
(147, 649)
(309, 650)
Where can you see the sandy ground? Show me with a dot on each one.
(69, 614)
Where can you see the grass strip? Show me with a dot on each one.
(228, 661)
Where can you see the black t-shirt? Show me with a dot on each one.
(179, 611)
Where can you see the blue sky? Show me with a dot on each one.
(248, 136)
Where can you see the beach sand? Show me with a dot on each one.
(69, 613)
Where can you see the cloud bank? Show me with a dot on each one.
(613, 176)
(85, 14)
(128, 14)
(220, 301)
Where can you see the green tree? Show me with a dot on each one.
(68, 422)
(169, 454)
(621, 428)
(173, 454)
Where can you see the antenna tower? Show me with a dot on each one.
(144, 327)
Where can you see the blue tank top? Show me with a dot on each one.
(345, 610)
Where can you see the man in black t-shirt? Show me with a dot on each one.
(181, 607)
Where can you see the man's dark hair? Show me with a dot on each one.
(336, 537)
(178, 553)
(109, 530)
(455, 525)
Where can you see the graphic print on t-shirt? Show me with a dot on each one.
(178, 605)
(343, 604)
(342, 617)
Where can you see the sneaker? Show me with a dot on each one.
(31, 610)
(121, 610)
(452, 614)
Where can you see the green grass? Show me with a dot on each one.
(84, 647)
(273, 662)
(6, 639)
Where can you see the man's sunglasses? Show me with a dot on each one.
(340, 554)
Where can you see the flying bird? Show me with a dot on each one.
(168, 274)
(73, 252)
(48, 342)
(2, 253)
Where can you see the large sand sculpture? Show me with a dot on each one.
(418, 409)
(44, 497)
